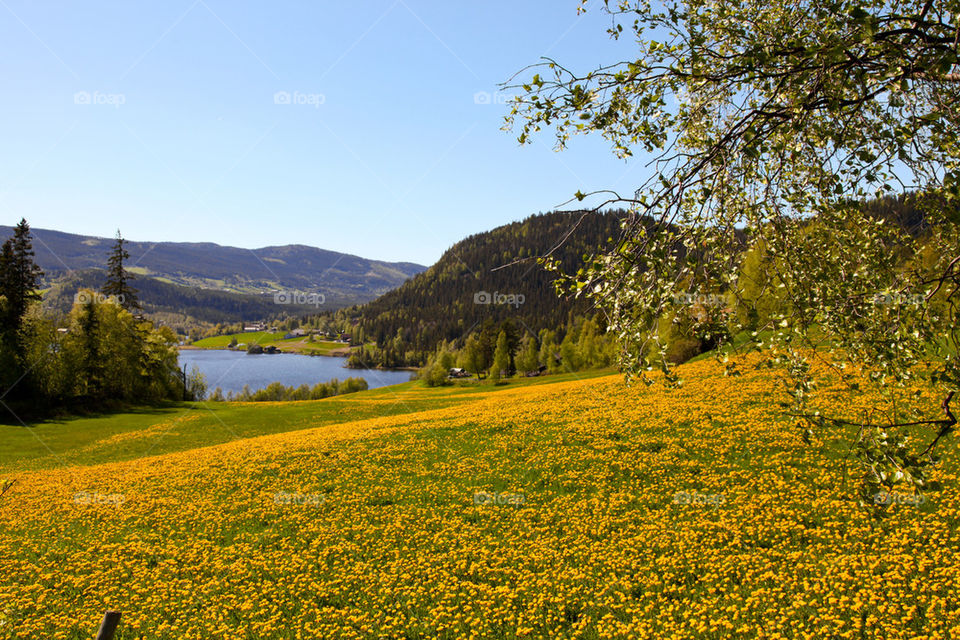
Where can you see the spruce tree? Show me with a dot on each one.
(19, 281)
(118, 278)
(6, 280)
(19, 275)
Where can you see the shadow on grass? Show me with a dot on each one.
(16, 414)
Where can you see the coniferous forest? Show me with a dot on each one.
(486, 283)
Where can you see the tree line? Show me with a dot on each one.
(278, 392)
(101, 352)
(498, 352)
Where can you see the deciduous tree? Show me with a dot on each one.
(770, 125)
(501, 357)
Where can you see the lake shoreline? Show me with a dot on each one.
(231, 370)
(335, 353)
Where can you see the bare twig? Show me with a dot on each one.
(7, 485)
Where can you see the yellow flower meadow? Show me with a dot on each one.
(581, 509)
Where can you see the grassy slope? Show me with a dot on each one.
(253, 337)
(265, 339)
(181, 426)
(391, 544)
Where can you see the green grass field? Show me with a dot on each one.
(254, 337)
(266, 339)
(186, 425)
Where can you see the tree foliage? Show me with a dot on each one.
(771, 124)
(278, 392)
(97, 354)
(501, 358)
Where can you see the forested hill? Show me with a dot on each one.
(341, 277)
(476, 283)
(179, 307)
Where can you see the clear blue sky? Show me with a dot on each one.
(161, 119)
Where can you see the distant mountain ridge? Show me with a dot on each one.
(341, 277)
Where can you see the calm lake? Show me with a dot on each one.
(230, 370)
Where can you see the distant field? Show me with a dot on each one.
(562, 507)
(265, 339)
(257, 337)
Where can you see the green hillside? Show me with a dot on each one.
(482, 281)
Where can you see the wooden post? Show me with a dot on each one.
(109, 625)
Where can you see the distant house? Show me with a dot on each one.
(296, 333)
(457, 372)
(255, 326)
